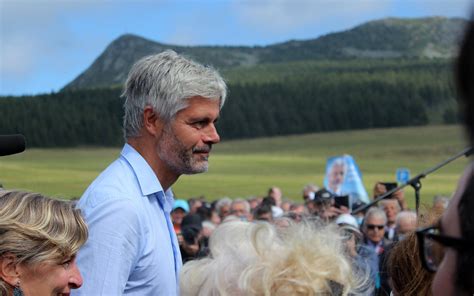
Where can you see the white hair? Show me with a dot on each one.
(375, 212)
(165, 82)
(263, 259)
(405, 215)
(443, 200)
(240, 201)
(383, 204)
(225, 201)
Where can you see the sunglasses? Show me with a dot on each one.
(373, 226)
(432, 243)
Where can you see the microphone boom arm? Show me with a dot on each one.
(415, 182)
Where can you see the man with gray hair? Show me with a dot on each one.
(404, 224)
(241, 209)
(171, 107)
(374, 230)
(391, 207)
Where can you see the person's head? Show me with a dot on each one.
(391, 207)
(275, 192)
(405, 223)
(336, 174)
(39, 239)
(254, 202)
(263, 213)
(264, 259)
(173, 103)
(268, 200)
(223, 207)
(464, 76)
(180, 209)
(308, 191)
(191, 228)
(440, 203)
(374, 225)
(166, 81)
(455, 272)
(298, 209)
(323, 199)
(240, 208)
(194, 205)
(286, 205)
(407, 275)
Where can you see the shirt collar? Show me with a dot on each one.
(148, 181)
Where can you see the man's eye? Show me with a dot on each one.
(199, 124)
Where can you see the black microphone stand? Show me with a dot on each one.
(415, 182)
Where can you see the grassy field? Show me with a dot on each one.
(249, 167)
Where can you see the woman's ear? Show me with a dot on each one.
(8, 269)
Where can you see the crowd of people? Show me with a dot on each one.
(131, 236)
(368, 237)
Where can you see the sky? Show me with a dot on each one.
(45, 44)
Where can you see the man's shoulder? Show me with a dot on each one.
(116, 182)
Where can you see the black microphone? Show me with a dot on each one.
(12, 144)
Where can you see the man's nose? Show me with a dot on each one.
(211, 135)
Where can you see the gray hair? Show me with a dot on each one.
(442, 200)
(225, 201)
(240, 201)
(375, 212)
(405, 215)
(385, 202)
(165, 82)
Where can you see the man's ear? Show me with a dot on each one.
(9, 269)
(152, 122)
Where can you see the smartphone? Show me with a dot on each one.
(390, 185)
(342, 200)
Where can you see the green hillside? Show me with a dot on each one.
(267, 100)
(431, 37)
(341, 81)
(249, 167)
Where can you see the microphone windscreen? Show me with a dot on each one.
(12, 144)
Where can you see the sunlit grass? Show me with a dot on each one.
(249, 167)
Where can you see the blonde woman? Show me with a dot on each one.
(39, 239)
(264, 259)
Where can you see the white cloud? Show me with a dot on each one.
(286, 15)
(61, 38)
(39, 38)
(450, 8)
(281, 16)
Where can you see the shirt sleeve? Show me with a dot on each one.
(111, 251)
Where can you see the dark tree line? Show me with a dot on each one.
(327, 97)
(65, 119)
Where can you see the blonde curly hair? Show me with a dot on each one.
(264, 259)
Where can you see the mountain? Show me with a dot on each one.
(432, 37)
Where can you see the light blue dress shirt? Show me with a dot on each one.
(132, 248)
